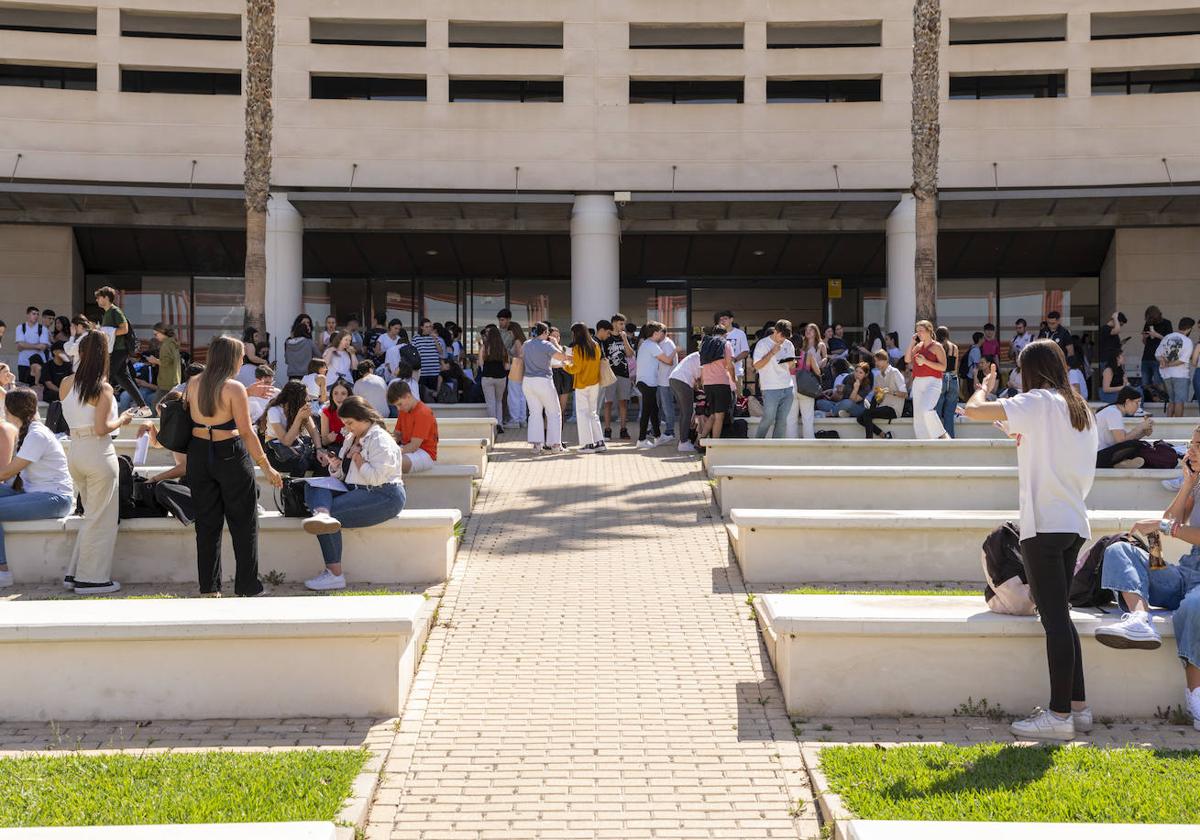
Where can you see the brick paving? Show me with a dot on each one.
(594, 671)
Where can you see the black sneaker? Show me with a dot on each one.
(608, 434)
(69, 582)
(624, 434)
(96, 588)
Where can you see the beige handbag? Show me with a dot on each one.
(607, 377)
(516, 369)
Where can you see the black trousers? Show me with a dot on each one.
(221, 477)
(1118, 452)
(120, 375)
(867, 419)
(648, 411)
(1049, 567)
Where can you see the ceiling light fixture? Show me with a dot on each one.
(759, 253)
(431, 252)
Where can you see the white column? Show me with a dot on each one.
(285, 269)
(595, 258)
(902, 268)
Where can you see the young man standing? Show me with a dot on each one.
(33, 346)
(1156, 329)
(503, 319)
(615, 347)
(775, 361)
(737, 340)
(431, 355)
(1020, 339)
(118, 360)
(416, 428)
(1174, 355)
(1059, 334)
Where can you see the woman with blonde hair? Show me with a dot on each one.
(927, 358)
(811, 356)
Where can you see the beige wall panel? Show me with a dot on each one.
(1159, 266)
(38, 269)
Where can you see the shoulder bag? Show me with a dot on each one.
(607, 377)
(175, 424)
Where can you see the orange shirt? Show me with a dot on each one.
(419, 423)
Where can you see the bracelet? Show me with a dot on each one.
(1166, 527)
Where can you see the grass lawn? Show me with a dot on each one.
(824, 590)
(1006, 783)
(213, 787)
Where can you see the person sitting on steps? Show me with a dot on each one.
(1119, 448)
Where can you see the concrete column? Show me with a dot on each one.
(901, 267)
(285, 271)
(595, 258)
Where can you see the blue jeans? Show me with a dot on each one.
(832, 408)
(16, 506)
(948, 401)
(1196, 386)
(361, 507)
(1150, 376)
(1127, 569)
(666, 409)
(777, 402)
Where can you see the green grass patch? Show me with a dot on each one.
(369, 592)
(214, 787)
(824, 590)
(1007, 783)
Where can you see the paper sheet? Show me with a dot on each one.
(328, 482)
(140, 450)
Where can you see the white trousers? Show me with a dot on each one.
(925, 393)
(93, 466)
(801, 415)
(541, 396)
(587, 421)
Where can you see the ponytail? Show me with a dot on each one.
(23, 405)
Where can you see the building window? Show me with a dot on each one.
(1013, 30)
(367, 33)
(792, 36)
(368, 87)
(181, 81)
(497, 35)
(185, 27)
(62, 78)
(1106, 27)
(681, 91)
(823, 90)
(657, 36)
(1165, 80)
(62, 21)
(506, 90)
(1018, 86)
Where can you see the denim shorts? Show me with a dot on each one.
(1177, 388)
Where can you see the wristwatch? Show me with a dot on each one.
(1165, 526)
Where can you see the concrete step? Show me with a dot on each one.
(202, 658)
(1167, 428)
(197, 831)
(455, 427)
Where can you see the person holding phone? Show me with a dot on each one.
(775, 363)
(928, 360)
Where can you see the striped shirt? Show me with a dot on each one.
(431, 355)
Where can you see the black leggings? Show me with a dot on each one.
(1049, 567)
(648, 413)
(223, 492)
(119, 374)
(868, 418)
(1111, 456)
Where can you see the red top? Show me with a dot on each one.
(922, 369)
(335, 423)
(419, 423)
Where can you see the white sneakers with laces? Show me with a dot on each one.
(326, 581)
(1083, 721)
(1133, 631)
(686, 446)
(665, 439)
(1193, 701)
(6, 579)
(648, 443)
(1044, 725)
(322, 523)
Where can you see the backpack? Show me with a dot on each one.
(1006, 591)
(828, 433)
(55, 421)
(712, 349)
(1086, 590)
(964, 366)
(411, 356)
(135, 495)
(738, 429)
(1159, 455)
(447, 393)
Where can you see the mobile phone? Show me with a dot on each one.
(787, 360)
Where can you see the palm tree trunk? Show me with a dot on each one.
(260, 62)
(926, 134)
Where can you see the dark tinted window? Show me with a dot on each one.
(178, 81)
(63, 21)
(1146, 81)
(699, 92)
(144, 24)
(367, 87)
(505, 90)
(823, 90)
(1021, 86)
(63, 78)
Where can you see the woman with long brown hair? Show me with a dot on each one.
(220, 472)
(948, 400)
(291, 433)
(90, 409)
(518, 409)
(585, 368)
(928, 361)
(493, 372)
(1056, 464)
(340, 357)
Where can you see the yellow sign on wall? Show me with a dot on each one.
(835, 288)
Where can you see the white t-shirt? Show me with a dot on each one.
(413, 386)
(257, 406)
(1019, 342)
(773, 376)
(276, 414)
(1108, 420)
(1076, 377)
(373, 389)
(647, 362)
(339, 366)
(35, 334)
(1169, 345)
(688, 370)
(668, 349)
(386, 342)
(310, 382)
(47, 471)
(739, 344)
(1055, 463)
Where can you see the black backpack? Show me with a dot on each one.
(1002, 557)
(1086, 590)
(135, 495)
(411, 356)
(712, 349)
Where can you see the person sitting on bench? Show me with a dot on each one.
(1118, 447)
(416, 428)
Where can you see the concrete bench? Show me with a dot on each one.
(1168, 428)
(919, 488)
(964, 452)
(195, 659)
(851, 656)
(416, 547)
(196, 831)
(445, 486)
(886, 546)
(915, 830)
(448, 427)
(458, 410)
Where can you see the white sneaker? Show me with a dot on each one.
(6, 579)
(1083, 720)
(1044, 725)
(1173, 484)
(686, 446)
(536, 448)
(648, 443)
(843, 413)
(665, 440)
(1193, 701)
(322, 523)
(326, 581)
(556, 449)
(1133, 631)
(102, 588)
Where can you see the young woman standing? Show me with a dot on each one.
(220, 472)
(493, 375)
(518, 410)
(545, 413)
(340, 357)
(948, 400)
(928, 361)
(811, 357)
(91, 411)
(585, 368)
(1056, 464)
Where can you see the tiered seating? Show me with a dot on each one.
(417, 547)
(195, 659)
(848, 656)
(1168, 428)
(453, 427)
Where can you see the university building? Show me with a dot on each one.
(566, 159)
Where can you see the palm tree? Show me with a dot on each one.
(260, 61)
(926, 134)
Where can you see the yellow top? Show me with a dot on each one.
(586, 371)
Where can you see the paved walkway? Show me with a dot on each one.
(594, 671)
